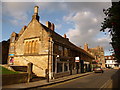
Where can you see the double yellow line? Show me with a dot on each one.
(49, 86)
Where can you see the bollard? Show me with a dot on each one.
(29, 71)
(47, 75)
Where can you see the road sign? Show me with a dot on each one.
(77, 59)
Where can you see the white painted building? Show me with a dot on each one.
(110, 62)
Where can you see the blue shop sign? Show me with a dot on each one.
(11, 54)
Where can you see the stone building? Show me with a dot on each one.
(98, 52)
(47, 50)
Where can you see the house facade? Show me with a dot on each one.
(111, 62)
(49, 52)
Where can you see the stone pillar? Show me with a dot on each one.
(56, 65)
(29, 71)
(62, 67)
(68, 66)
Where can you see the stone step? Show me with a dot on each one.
(19, 68)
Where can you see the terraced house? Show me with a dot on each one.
(47, 50)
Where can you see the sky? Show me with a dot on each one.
(80, 21)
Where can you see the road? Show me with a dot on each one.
(95, 80)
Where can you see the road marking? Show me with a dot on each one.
(106, 84)
(64, 82)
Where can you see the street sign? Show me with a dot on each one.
(77, 59)
(11, 54)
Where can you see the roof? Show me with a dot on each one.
(65, 41)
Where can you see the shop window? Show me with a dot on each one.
(59, 67)
(65, 67)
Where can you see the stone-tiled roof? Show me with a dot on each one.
(64, 41)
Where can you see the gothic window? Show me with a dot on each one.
(25, 48)
(27, 44)
(31, 46)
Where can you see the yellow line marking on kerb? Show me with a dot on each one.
(64, 82)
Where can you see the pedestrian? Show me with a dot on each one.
(12, 60)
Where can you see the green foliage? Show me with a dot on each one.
(6, 71)
(112, 23)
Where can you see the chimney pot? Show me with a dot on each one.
(52, 27)
(65, 36)
(48, 24)
(86, 46)
(24, 27)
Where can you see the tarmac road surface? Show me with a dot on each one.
(95, 80)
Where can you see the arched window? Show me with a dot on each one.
(36, 46)
(26, 47)
(32, 47)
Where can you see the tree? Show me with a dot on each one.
(112, 24)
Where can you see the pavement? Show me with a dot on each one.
(42, 83)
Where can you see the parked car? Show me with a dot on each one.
(98, 69)
(109, 67)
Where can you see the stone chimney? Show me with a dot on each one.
(65, 36)
(36, 10)
(22, 30)
(24, 27)
(35, 15)
(86, 47)
(48, 24)
(52, 27)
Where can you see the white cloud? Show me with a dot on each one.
(17, 11)
(85, 17)
(87, 23)
(58, 26)
(103, 39)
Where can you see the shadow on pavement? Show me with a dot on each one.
(116, 80)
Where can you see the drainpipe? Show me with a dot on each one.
(52, 42)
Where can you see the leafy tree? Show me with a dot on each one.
(111, 24)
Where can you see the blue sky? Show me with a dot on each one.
(81, 21)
